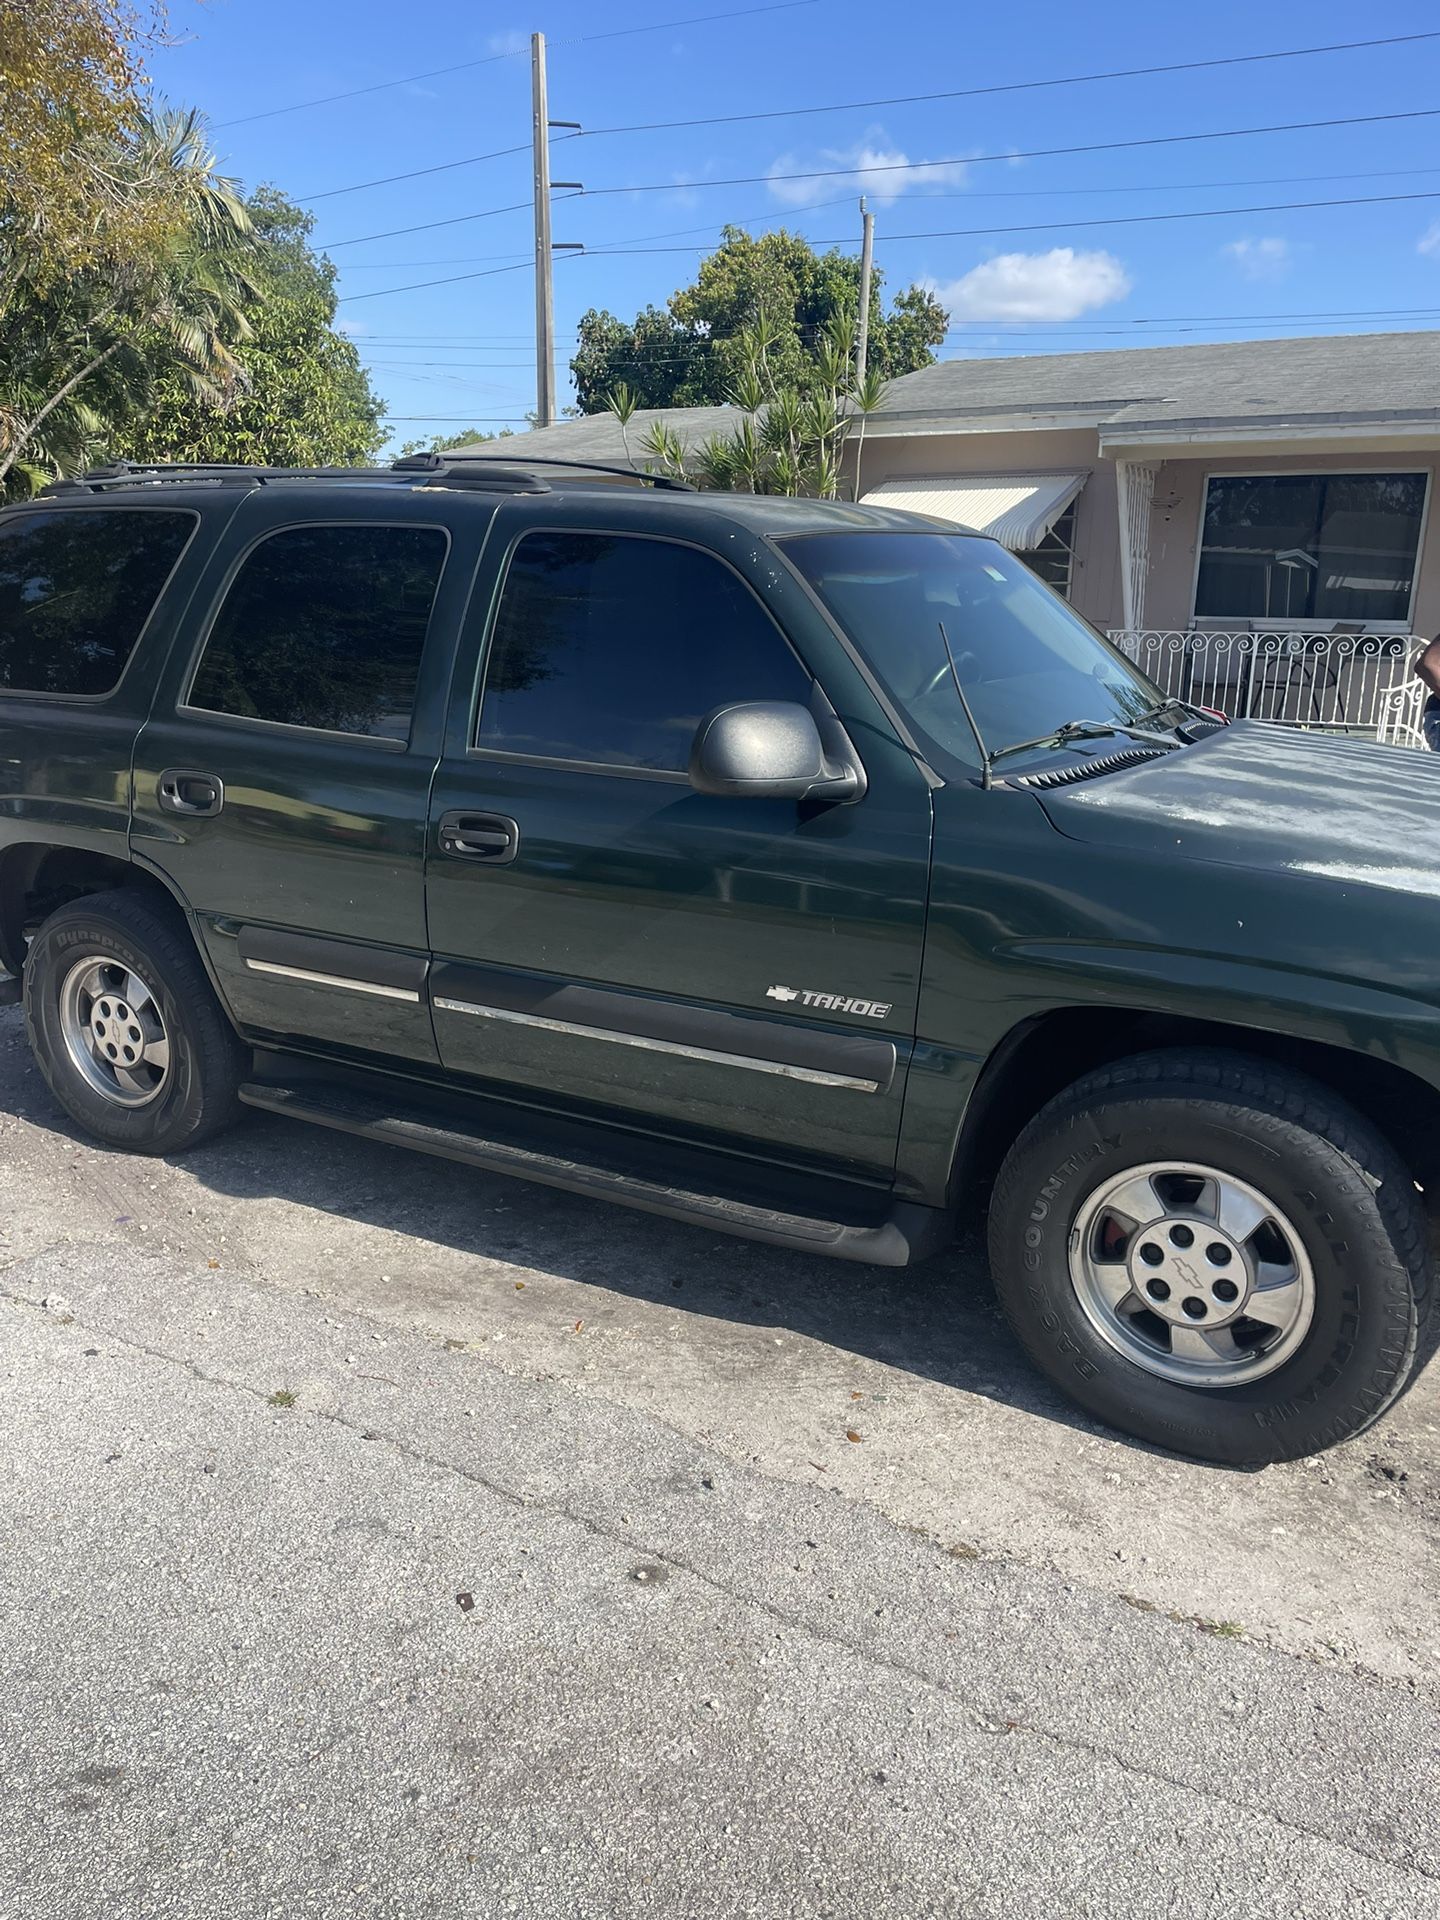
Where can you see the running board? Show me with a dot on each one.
(904, 1235)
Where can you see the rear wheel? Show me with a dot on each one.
(125, 1027)
(1213, 1254)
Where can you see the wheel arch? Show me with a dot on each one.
(38, 876)
(1048, 1052)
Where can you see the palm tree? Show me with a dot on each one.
(80, 353)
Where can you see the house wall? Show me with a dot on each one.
(1180, 503)
(1095, 587)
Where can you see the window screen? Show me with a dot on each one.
(611, 650)
(76, 588)
(1310, 546)
(324, 627)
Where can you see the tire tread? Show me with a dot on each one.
(1401, 1235)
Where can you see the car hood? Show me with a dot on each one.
(1274, 798)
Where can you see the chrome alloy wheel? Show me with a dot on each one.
(1192, 1274)
(113, 1031)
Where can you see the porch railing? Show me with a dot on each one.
(1357, 683)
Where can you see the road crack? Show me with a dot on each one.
(982, 1720)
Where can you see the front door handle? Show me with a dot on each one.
(491, 837)
(183, 790)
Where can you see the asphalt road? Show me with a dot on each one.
(382, 1540)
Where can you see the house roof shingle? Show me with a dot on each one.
(1356, 377)
(1333, 376)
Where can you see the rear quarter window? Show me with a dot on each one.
(77, 586)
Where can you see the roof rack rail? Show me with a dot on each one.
(480, 476)
(458, 459)
(493, 473)
(129, 473)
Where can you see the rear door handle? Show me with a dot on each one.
(491, 837)
(183, 790)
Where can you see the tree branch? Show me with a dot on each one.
(36, 421)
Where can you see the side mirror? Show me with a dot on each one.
(773, 749)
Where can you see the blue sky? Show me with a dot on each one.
(461, 353)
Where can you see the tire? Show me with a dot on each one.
(1337, 1270)
(86, 964)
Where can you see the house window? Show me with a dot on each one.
(1297, 547)
(1054, 556)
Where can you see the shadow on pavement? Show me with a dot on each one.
(938, 1321)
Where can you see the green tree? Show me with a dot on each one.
(299, 395)
(448, 442)
(81, 346)
(790, 440)
(71, 95)
(694, 351)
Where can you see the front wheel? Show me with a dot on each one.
(1212, 1254)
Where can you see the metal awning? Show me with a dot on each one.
(1017, 509)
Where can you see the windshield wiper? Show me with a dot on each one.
(1186, 708)
(1087, 730)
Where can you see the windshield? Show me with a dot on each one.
(1027, 663)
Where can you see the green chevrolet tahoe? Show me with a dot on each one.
(796, 869)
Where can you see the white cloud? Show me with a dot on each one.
(1429, 241)
(870, 166)
(511, 40)
(1058, 285)
(1269, 258)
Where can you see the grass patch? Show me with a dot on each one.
(1219, 1629)
(282, 1397)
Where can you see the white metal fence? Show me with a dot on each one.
(1346, 683)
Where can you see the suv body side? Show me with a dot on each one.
(1033, 910)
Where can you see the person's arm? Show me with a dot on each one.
(1427, 665)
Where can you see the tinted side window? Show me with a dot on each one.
(76, 588)
(612, 650)
(324, 627)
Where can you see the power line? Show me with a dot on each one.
(389, 179)
(416, 286)
(913, 166)
(395, 266)
(510, 53)
(709, 226)
(996, 331)
(861, 173)
(819, 206)
(695, 20)
(465, 342)
(1050, 226)
(501, 153)
(459, 219)
(1015, 86)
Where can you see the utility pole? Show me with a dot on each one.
(867, 257)
(544, 257)
(545, 247)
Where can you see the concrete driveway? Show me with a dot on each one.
(383, 1539)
